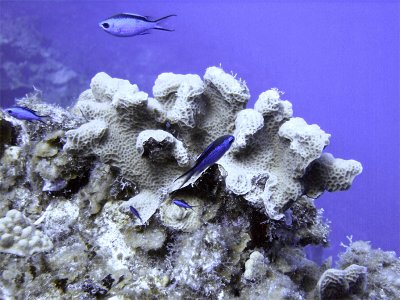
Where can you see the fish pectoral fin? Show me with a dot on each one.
(144, 33)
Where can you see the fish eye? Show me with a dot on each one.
(9, 111)
(105, 25)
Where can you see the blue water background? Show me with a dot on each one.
(338, 63)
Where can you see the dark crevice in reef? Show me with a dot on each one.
(8, 135)
(73, 186)
(258, 230)
(32, 270)
(157, 152)
(122, 188)
(208, 186)
(108, 281)
(93, 289)
(61, 284)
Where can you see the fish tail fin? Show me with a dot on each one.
(163, 18)
(187, 175)
(159, 27)
(44, 117)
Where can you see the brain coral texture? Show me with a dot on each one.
(68, 186)
(151, 141)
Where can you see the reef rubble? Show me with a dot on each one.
(67, 188)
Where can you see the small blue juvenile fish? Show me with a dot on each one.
(127, 24)
(210, 156)
(182, 203)
(23, 113)
(136, 213)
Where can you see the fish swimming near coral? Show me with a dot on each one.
(126, 24)
(23, 113)
(136, 213)
(182, 203)
(210, 156)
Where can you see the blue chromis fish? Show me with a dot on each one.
(23, 113)
(182, 203)
(136, 213)
(210, 156)
(127, 24)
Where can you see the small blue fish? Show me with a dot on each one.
(182, 203)
(210, 156)
(23, 113)
(127, 24)
(136, 213)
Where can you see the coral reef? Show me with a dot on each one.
(383, 269)
(362, 273)
(73, 180)
(339, 284)
(19, 237)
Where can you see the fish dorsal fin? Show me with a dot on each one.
(27, 109)
(135, 16)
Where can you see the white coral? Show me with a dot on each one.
(267, 164)
(248, 122)
(269, 104)
(18, 235)
(165, 146)
(146, 204)
(331, 174)
(179, 218)
(255, 266)
(335, 284)
(86, 137)
(339, 173)
(278, 150)
(186, 219)
(12, 165)
(306, 144)
(104, 87)
(181, 97)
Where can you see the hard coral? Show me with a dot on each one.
(383, 269)
(80, 174)
(331, 174)
(341, 284)
(267, 164)
(118, 115)
(18, 235)
(255, 266)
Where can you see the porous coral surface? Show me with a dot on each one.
(97, 183)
